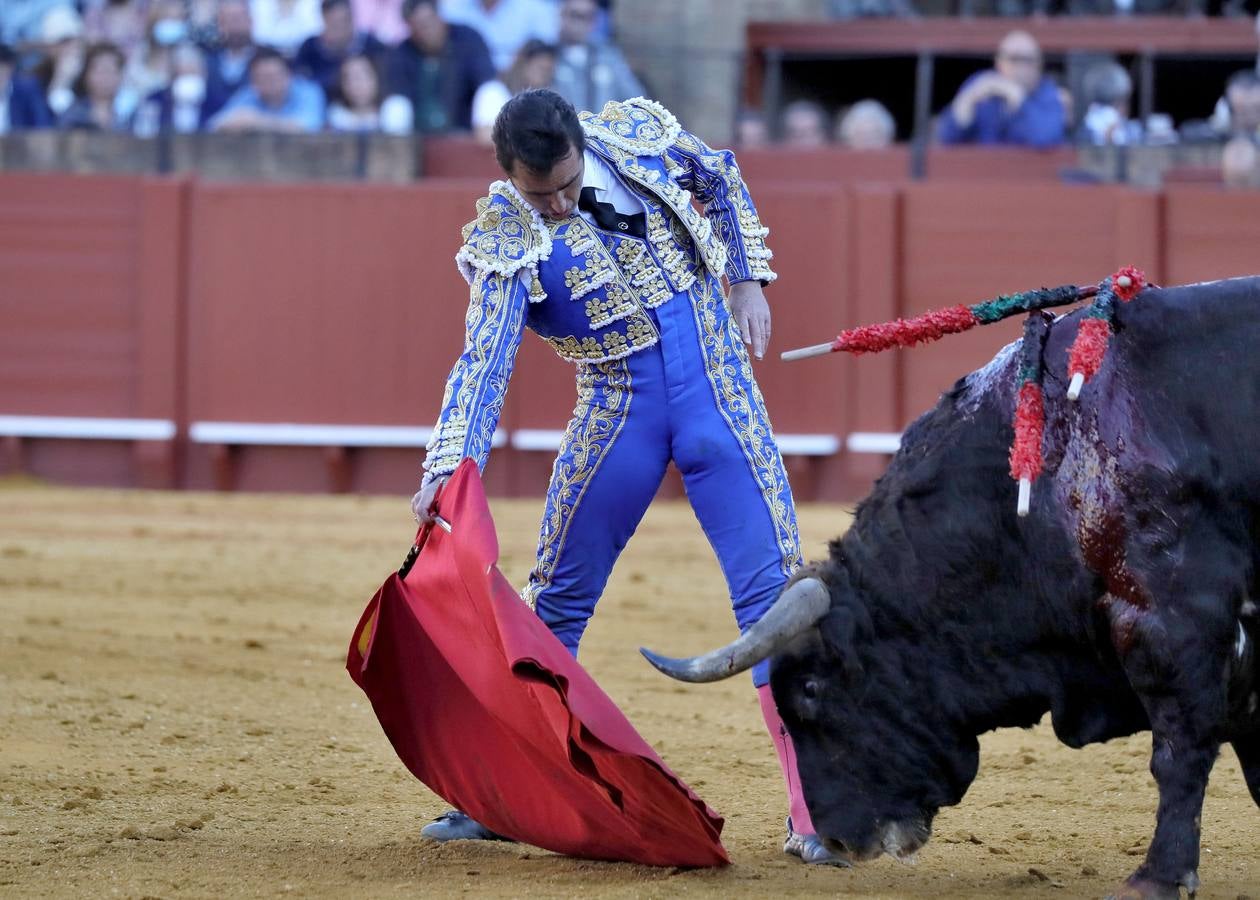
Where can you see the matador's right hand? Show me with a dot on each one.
(422, 502)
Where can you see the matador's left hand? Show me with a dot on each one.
(752, 315)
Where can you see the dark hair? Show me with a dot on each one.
(514, 77)
(262, 54)
(536, 127)
(337, 95)
(410, 6)
(328, 6)
(94, 52)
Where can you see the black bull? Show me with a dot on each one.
(1125, 601)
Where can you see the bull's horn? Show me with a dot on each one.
(797, 608)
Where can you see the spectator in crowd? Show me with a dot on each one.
(284, 24)
(1239, 163)
(22, 104)
(867, 125)
(380, 18)
(804, 125)
(202, 21)
(22, 21)
(870, 9)
(590, 71)
(274, 100)
(1012, 103)
(751, 130)
(227, 62)
(64, 48)
(180, 106)
(438, 68)
(358, 102)
(505, 25)
(1238, 112)
(321, 56)
(1108, 93)
(149, 66)
(534, 67)
(96, 105)
(117, 22)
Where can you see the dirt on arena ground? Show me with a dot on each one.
(177, 722)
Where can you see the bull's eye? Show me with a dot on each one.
(809, 690)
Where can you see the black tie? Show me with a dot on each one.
(607, 217)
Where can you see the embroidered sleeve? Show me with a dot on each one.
(477, 385)
(714, 179)
(507, 237)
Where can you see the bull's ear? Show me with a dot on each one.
(839, 632)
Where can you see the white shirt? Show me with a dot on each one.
(608, 187)
(489, 99)
(285, 28)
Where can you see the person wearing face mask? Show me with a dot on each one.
(178, 107)
(594, 242)
(149, 66)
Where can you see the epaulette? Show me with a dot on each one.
(507, 236)
(639, 126)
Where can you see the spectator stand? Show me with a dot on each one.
(944, 51)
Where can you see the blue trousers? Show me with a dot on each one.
(690, 398)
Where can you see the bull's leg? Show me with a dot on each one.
(1174, 650)
(1173, 625)
(1248, 750)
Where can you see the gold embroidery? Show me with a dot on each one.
(638, 126)
(628, 336)
(644, 274)
(741, 404)
(604, 394)
(508, 235)
(477, 385)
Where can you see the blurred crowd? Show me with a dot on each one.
(447, 66)
(394, 66)
(1017, 102)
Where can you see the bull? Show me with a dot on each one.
(1124, 602)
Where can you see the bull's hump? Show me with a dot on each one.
(993, 379)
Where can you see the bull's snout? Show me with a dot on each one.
(900, 840)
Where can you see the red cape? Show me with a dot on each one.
(493, 714)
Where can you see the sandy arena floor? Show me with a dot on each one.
(176, 721)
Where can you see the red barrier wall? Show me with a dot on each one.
(195, 302)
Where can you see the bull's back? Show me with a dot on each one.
(1182, 375)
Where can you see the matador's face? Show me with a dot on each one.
(555, 193)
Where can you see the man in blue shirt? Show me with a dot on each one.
(274, 99)
(1012, 103)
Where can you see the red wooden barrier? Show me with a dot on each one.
(90, 279)
(198, 305)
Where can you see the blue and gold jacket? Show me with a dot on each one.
(586, 291)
